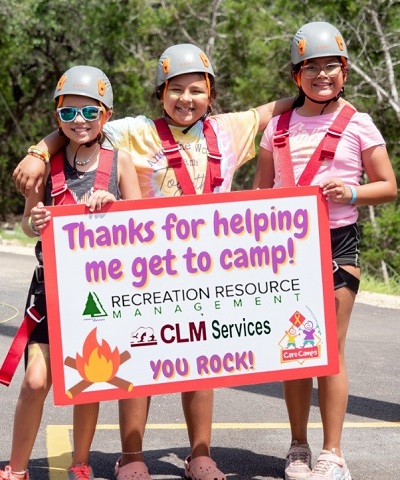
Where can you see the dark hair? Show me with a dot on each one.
(300, 97)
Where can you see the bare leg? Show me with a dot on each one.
(298, 394)
(85, 422)
(333, 391)
(29, 409)
(198, 411)
(133, 415)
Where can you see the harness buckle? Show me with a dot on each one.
(335, 133)
(171, 150)
(33, 314)
(281, 138)
(39, 273)
(216, 157)
(59, 190)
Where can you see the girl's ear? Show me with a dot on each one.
(108, 115)
(296, 78)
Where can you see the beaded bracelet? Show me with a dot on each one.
(32, 227)
(39, 152)
(353, 194)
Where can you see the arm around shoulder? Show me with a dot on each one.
(30, 170)
(272, 109)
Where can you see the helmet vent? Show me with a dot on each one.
(204, 59)
(302, 46)
(61, 82)
(165, 65)
(340, 42)
(101, 86)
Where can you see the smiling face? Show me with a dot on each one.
(80, 130)
(323, 86)
(186, 99)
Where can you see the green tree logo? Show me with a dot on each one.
(93, 306)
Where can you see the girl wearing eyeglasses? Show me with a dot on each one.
(84, 101)
(319, 69)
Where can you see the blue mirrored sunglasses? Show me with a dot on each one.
(89, 113)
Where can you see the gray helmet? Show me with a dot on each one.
(317, 39)
(86, 81)
(180, 59)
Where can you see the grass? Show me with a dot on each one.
(16, 235)
(368, 283)
(371, 284)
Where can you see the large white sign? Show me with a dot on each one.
(177, 294)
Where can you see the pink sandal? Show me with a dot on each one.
(8, 474)
(202, 468)
(131, 471)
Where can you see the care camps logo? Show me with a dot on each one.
(302, 339)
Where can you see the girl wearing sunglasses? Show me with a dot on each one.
(185, 88)
(319, 69)
(84, 101)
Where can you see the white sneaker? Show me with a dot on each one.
(298, 462)
(330, 466)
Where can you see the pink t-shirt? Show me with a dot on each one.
(305, 133)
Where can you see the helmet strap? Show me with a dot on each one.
(325, 102)
(185, 130)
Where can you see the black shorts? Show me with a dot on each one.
(41, 332)
(345, 244)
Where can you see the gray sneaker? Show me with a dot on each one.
(330, 466)
(298, 462)
(80, 471)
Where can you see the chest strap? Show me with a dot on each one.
(172, 151)
(325, 150)
(61, 193)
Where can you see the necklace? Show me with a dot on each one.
(85, 162)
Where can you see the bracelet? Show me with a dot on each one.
(353, 194)
(32, 227)
(39, 152)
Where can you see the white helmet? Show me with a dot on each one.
(180, 59)
(86, 81)
(317, 39)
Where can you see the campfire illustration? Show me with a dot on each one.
(98, 363)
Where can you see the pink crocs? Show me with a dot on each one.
(131, 471)
(202, 468)
(8, 474)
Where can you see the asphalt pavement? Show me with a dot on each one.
(251, 433)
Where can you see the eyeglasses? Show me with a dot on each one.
(331, 69)
(89, 113)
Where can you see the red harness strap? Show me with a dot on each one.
(171, 150)
(16, 350)
(325, 150)
(62, 195)
(60, 192)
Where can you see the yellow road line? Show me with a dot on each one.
(59, 447)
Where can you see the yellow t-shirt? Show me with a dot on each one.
(138, 136)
